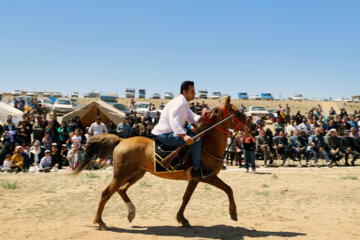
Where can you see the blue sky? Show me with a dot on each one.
(282, 47)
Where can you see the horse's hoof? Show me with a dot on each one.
(233, 216)
(185, 223)
(102, 227)
(131, 216)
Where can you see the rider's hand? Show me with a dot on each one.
(188, 140)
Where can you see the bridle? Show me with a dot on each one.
(235, 120)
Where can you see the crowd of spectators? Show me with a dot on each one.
(40, 141)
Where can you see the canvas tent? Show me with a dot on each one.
(6, 110)
(90, 111)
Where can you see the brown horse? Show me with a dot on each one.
(133, 157)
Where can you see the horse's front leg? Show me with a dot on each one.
(186, 198)
(217, 182)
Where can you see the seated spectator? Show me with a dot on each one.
(298, 146)
(317, 145)
(279, 126)
(148, 117)
(353, 132)
(124, 130)
(97, 127)
(344, 125)
(291, 129)
(78, 123)
(263, 147)
(63, 154)
(111, 127)
(47, 141)
(281, 145)
(332, 111)
(38, 128)
(7, 148)
(348, 147)
(333, 144)
(36, 153)
(17, 161)
(56, 160)
(9, 130)
(7, 163)
(72, 125)
(74, 156)
(157, 118)
(45, 162)
(141, 126)
(357, 142)
(330, 126)
(63, 132)
(26, 159)
(76, 137)
(305, 126)
(149, 128)
(298, 118)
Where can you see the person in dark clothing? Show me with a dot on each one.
(249, 143)
(111, 127)
(78, 124)
(56, 159)
(298, 146)
(281, 144)
(38, 129)
(357, 142)
(63, 153)
(298, 118)
(72, 125)
(238, 148)
(263, 146)
(348, 147)
(333, 145)
(317, 145)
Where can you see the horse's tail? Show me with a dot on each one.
(100, 146)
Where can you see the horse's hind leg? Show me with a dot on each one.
(122, 191)
(186, 198)
(217, 182)
(105, 196)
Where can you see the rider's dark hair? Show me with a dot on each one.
(185, 86)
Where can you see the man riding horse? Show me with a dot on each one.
(171, 127)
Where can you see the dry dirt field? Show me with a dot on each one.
(276, 203)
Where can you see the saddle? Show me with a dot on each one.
(180, 163)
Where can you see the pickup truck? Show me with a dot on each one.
(267, 96)
(243, 96)
(142, 93)
(130, 93)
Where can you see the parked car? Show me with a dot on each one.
(57, 94)
(130, 93)
(342, 99)
(202, 93)
(63, 106)
(142, 108)
(1, 97)
(215, 95)
(257, 111)
(31, 94)
(108, 98)
(298, 97)
(16, 93)
(75, 103)
(168, 95)
(46, 103)
(243, 96)
(46, 94)
(357, 100)
(273, 113)
(156, 96)
(256, 97)
(120, 107)
(90, 95)
(313, 99)
(267, 96)
(142, 93)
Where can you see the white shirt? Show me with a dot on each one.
(97, 129)
(291, 127)
(174, 117)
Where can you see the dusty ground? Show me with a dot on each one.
(276, 203)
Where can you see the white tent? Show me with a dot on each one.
(90, 111)
(6, 110)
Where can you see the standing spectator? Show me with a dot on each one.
(148, 117)
(281, 145)
(317, 145)
(74, 156)
(278, 126)
(348, 147)
(332, 111)
(298, 146)
(263, 146)
(63, 132)
(132, 105)
(141, 126)
(97, 127)
(333, 144)
(238, 148)
(242, 108)
(248, 141)
(111, 127)
(192, 107)
(124, 130)
(157, 118)
(287, 113)
(45, 162)
(36, 153)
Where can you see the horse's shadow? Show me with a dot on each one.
(213, 232)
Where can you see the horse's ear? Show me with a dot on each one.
(227, 101)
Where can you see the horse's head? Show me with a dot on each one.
(239, 121)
